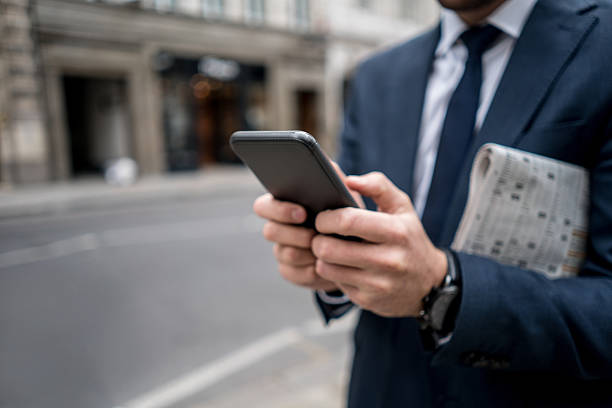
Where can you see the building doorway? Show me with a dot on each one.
(97, 122)
(306, 101)
(205, 101)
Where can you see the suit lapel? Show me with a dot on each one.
(403, 111)
(550, 37)
(548, 42)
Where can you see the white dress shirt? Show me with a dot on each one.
(448, 66)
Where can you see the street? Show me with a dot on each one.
(160, 303)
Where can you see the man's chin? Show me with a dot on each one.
(465, 5)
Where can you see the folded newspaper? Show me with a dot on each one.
(526, 210)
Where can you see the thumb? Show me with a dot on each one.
(379, 188)
(343, 177)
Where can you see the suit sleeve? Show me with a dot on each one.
(515, 319)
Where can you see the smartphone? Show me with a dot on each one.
(291, 166)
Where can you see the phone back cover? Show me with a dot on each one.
(291, 172)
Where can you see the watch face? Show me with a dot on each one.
(440, 304)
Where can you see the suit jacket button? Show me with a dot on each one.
(470, 358)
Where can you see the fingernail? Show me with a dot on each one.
(298, 214)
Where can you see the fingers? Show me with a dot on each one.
(347, 289)
(296, 262)
(305, 276)
(372, 226)
(293, 255)
(344, 276)
(266, 206)
(377, 186)
(364, 289)
(355, 254)
(288, 234)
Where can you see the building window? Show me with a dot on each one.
(164, 5)
(302, 13)
(212, 8)
(255, 11)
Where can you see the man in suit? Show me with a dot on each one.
(440, 328)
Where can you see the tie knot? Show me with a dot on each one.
(478, 39)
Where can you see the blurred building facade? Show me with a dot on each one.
(166, 82)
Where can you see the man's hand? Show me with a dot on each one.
(296, 262)
(292, 249)
(396, 267)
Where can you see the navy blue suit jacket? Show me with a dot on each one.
(520, 339)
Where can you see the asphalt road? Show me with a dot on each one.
(101, 308)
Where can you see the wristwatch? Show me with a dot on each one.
(441, 304)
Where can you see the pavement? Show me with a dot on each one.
(319, 379)
(94, 193)
(309, 368)
(156, 327)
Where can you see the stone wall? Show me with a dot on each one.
(23, 147)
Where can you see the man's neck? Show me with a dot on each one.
(476, 16)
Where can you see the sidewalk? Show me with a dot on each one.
(300, 367)
(95, 193)
(319, 379)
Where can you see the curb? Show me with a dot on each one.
(65, 197)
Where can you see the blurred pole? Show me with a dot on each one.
(2, 88)
(4, 91)
(2, 120)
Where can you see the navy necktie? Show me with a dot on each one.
(457, 131)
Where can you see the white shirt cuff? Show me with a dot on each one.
(332, 300)
(443, 340)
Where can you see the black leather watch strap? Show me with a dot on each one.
(440, 306)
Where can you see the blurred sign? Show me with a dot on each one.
(220, 69)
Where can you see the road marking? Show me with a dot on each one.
(146, 206)
(209, 374)
(202, 378)
(57, 249)
(141, 235)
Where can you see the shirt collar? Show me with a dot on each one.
(510, 18)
